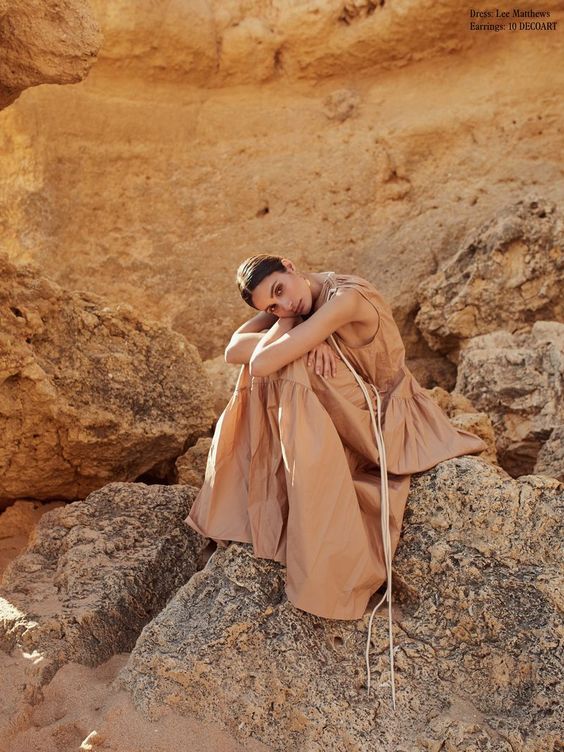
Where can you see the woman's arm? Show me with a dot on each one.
(262, 320)
(240, 350)
(293, 341)
(244, 339)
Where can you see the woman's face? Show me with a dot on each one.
(284, 294)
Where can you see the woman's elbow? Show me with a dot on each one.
(230, 355)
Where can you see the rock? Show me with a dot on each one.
(508, 274)
(95, 572)
(89, 393)
(45, 45)
(212, 44)
(433, 371)
(550, 459)
(517, 379)
(191, 467)
(223, 377)
(341, 104)
(475, 628)
(16, 523)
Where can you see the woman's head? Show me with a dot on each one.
(272, 283)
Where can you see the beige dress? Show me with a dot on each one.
(294, 468)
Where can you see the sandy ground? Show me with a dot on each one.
(81, 710)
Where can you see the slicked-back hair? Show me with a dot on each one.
(253, 270)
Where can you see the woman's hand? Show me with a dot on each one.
(324, 360)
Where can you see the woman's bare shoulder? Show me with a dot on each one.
(361, 307)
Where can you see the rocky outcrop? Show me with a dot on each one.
(475, 626)
(94, 573)
(550, 459)
(508, 274)
(89, 393)
(191, 467)
(16, 524)
(517, 379)
(44, 43)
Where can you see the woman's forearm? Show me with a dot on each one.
(262, 320)
(275, 332)
(246, 337)
(241, 347)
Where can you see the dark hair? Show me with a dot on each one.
(253, 270)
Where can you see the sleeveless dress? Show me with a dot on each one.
(294, 468)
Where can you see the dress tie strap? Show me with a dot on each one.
(384, 513)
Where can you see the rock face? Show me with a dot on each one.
(518, 380)
(510, 273)
(89, 393)
(191, 467)
(216, 43)
(45, 44)
(95, 572)
(475, 628)
(550, 459)
(16, 524)
(337, 170)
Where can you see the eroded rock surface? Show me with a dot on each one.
(518, 380)
(45, 43)
(16, 523)
(94, 573)
(476, 620)
(221, 42)
(510, 273)
(550, 459)
(337, 170)
(191, 467)
(89, 393)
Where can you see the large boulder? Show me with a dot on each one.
(89, 393)
(45, 44)
(509, 273)
(476, 621)
(94, 573)
(191, 467)
(517, 379)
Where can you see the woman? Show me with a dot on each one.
(311, 458)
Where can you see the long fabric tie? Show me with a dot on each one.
(384, 514)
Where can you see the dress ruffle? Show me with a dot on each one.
(417, 434)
